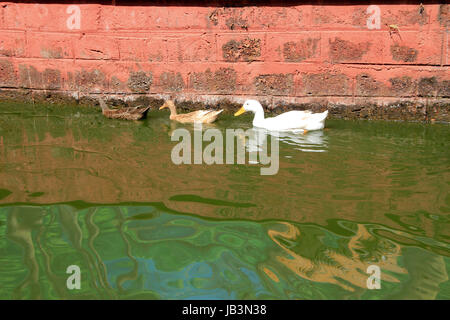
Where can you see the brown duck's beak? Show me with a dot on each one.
(240, 111)
(163, 106)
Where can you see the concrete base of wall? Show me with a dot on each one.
(419, 109)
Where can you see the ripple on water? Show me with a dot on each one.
(174, 256)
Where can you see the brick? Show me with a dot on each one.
(326, 84)
(151, 48)
(118, 73)
(184, 18)
(235, 48)
(171, 81)
(293, 47)
(366, 85)
(89, 76)
(222, 80)
(12, 44)
(277, 78)
(2, 7)
(353, 47)
(444, 15)
(90, 80)
(132, 49)
(49, 78)
(230, 18)
(192, 48)
(428, 86)
(258, 18)
(407, 16)
(14, 16)
(134, 18)
(50, 45)
(274, 84)
(444, 89)
(96, 47)
(339, 17)
(446, 59)
(8, 76)
(29, 77)
(140, 81)
(402, 86)
(280, 18)
(412, 47)
(153, 18)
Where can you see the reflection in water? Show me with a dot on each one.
(314, 141)
(20, 232)
(147, 252)
(375, 193)
(334, 266)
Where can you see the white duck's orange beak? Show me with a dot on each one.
(240, 111)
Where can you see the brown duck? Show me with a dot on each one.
(200, 116)
(130, 113)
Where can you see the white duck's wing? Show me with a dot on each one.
(288, 120)
(296, 120)
(297, 115)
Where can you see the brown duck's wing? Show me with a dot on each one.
(138, 113)
(211, 116)
(129, 116)
(134, 110)
(190, 117)
(129, 110)
(141, 109)
(131, 113)
(112, 113)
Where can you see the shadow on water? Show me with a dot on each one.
(78, 189)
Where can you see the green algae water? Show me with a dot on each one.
(104, 195)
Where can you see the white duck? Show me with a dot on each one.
(288, 121)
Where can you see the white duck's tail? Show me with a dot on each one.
(321, 116)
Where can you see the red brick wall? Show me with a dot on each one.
(290, 54)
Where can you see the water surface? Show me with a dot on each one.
(78, 189)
